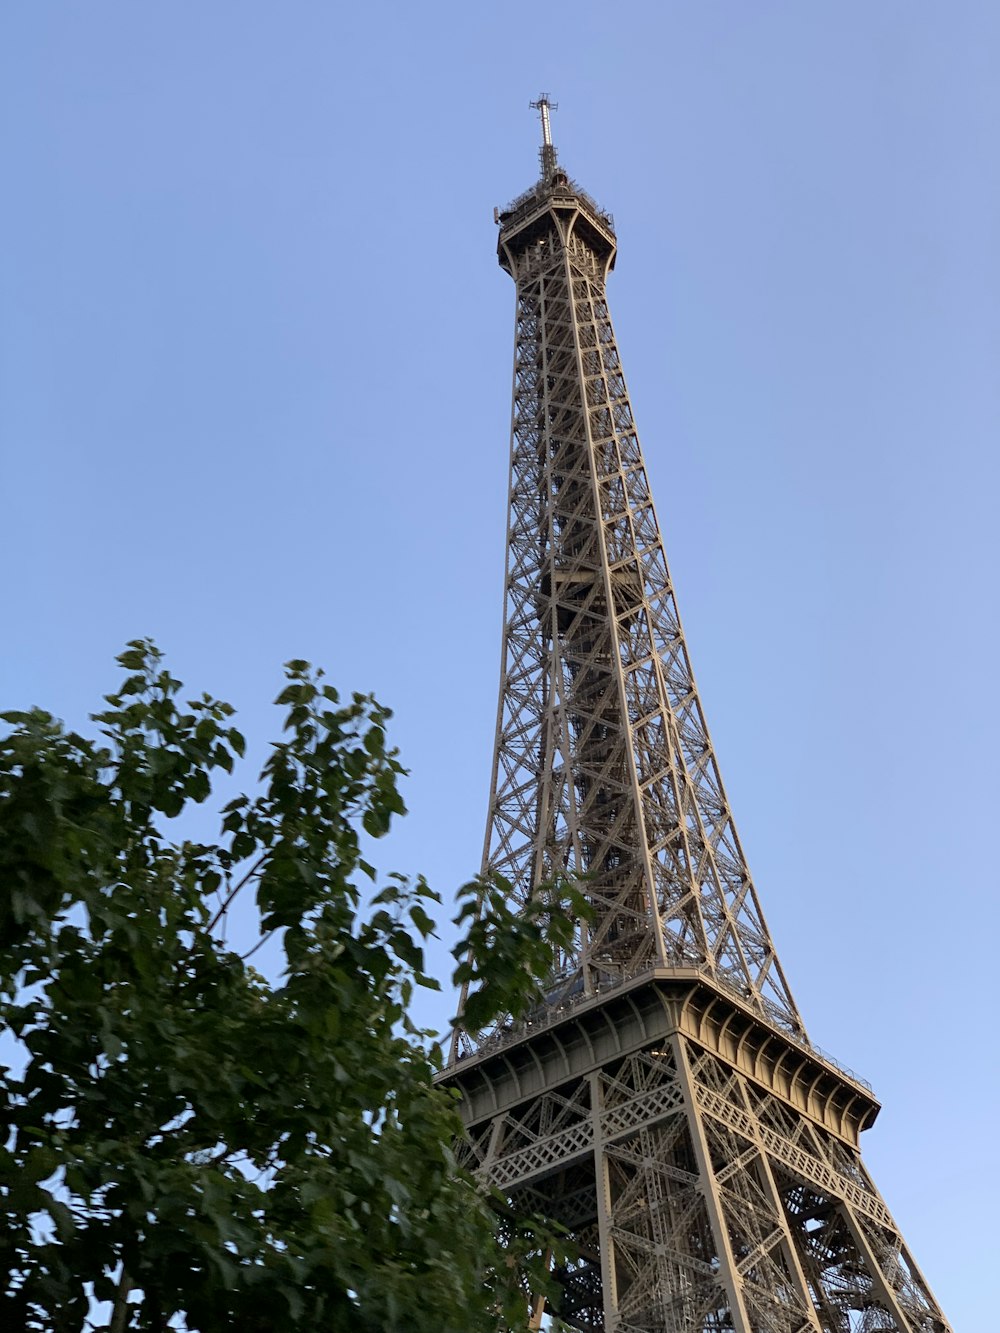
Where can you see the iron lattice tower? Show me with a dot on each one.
(664, 1104)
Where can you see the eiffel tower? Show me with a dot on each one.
(664, 1104)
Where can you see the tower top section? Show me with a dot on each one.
(554, 201)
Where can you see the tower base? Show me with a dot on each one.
(704, 1163)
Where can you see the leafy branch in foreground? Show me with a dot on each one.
(188, 1144)
(508, 948)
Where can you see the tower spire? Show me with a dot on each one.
(662, 1104)
(547, 153)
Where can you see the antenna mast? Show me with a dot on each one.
(547, 152)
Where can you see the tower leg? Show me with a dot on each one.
(709, 1185)
(609, 1279)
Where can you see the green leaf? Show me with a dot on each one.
(39, 1164)
(422, 921)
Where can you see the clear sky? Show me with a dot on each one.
(254, 401)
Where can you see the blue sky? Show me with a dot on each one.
(254, 401)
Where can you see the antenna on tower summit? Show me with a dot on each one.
(547, 152)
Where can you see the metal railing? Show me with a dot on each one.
(538, 193)
(548, 1015)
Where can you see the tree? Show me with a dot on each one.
(191, 1145)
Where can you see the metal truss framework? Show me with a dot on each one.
(664, 1105)
(703, 1192)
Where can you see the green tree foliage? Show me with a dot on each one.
(190, 1145)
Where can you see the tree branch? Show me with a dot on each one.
(119, 1317)
(233, 892)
